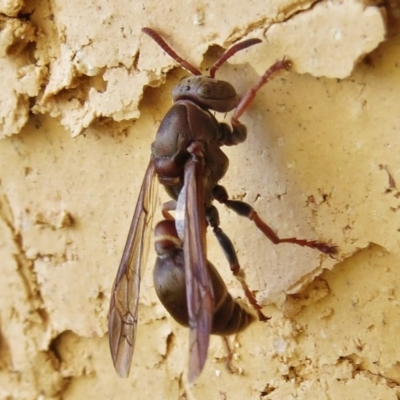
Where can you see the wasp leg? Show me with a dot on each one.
(233, 369)
(167, 207)
(249, 96)
(238, 133)
(230, 254)
(246, 210)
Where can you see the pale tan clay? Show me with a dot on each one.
(83, 94)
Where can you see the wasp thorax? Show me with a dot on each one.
(207, 92)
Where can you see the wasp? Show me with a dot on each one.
(186, 158)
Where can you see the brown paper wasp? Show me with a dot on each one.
(187, 159)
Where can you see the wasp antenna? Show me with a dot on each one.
(230, 52)
(161, 42)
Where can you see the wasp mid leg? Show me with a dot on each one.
(246, 210)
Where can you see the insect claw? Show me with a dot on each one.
(325, 248)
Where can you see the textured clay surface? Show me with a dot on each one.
(83, 94)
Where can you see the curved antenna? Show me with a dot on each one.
(230, 52)
(161, 42)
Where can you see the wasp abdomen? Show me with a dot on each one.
(229, 316)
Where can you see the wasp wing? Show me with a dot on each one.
(122, 317)
(200, 299)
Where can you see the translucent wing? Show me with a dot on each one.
(198, 285)
(122, 317)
